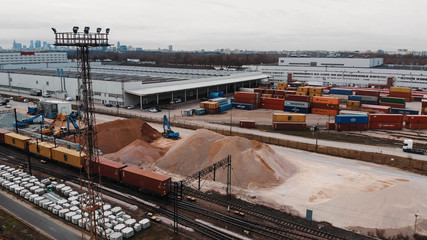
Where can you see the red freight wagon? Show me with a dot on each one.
(289, 126)
(367, 92)
(351, 127)
(247, 124)
(384, 109)
(2, 133)
(386, 118)
(108, 168)
(325, 106)
(416, 119)
(297, 98)
(146, 180)
(386, 125)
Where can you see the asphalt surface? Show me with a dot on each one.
(43, 224)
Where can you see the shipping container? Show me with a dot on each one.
(16, 140)
(393, 105)
(406, 96)
(210, 105)
(225, 107)
(301, 93)
(41, 148)
(289, 117)
(367, 92)
(2, 133)
(303, 89)
(419, 119)
(280, 93)
(386, 125)
(244, 106)
(200, 111)
(270, 91)
(327, 100)
(260, 91)
(325, 106)
(220, 101)
(386, 118)
(315, 94)
(68, 156)
(351, 127)
(340, 91)
(316, 90)
(330, 126)
(400, 89)
(282, 84)
(370, 98)
(353, 103)
(346, 119)
(297, 98)
(289, 126)
(376, 108)
(355, 98)
(324, 111)
(146, 180)
(349, 112)
(416, 125)
(108, 168)
(297, 109)
(403, 111)
(296, 104)
(247, 124)
(212, 110)
(392, 100)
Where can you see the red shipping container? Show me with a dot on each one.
(2, 133)
(146, 180)
(290, 92)
(406, 96)
(247, 124)
(273, 101)
(212, 110)
(278, 96)
(393, 105)
(424, 103)
(297, 98)
(367, 92)
(384, 109)
(324, 111)
(386, 118)
(280, 92)
(272, 106)
(386, 125)
(325, 106)
(246, 94)
(108, 168)
(289, 126)
(270, 91)
(416, 125)
(260, 91)
(415, 119)
(330, 126)
(351, 127)
(292, 88)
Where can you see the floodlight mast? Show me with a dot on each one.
(91, 202)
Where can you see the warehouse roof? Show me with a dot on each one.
(164, 87)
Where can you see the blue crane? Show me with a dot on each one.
(28, 121)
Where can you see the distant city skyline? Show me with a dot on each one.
(218, 24)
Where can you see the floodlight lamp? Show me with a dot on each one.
(86, 30)
(54, 30)
(107, 30)
(75, 29)
(98, 30)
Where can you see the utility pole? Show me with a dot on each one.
(415, 225)
(88, 183)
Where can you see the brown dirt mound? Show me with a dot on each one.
(138, 153)
(254, 164)
(113, 136)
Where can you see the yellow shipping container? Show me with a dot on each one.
(282, 85)
(315, 90)
(16, 140)
(41, 148)
(211, 104)
(267, 95)
(315, 94)
(202, 104)
(301, 93)
(353, 103)
(303, 89)
(400, 89)
(68, 156)
(289, 117)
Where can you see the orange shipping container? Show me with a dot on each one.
(324, 111)
(301, 93)
(326, 100)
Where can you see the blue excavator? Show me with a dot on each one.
(167, 132)
(29, 121)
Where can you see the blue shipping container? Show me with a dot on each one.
(355, 98)
(340, 91)
(231, 100)
(213, 95)
(369, 102)
(360, 119)
(244, 106)
(225, 107)
(296, 104)
(297, 109)
(403, 111)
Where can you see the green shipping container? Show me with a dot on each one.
(393, 100)
(200, 111)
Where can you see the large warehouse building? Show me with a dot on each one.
(331, 62)
(126, 85)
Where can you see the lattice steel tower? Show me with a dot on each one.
(90, 183)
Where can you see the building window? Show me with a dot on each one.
(37, 82)
(47, 83)
(65, 157)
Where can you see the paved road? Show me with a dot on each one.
(43, 224)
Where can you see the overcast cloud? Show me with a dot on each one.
(234, 24)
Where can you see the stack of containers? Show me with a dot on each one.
(415, 121)
(211, 107)
(386, 121)
(302, 91)
(290, 93)
(246, 100)
(279, 94)
(393, 102)
(352, 122)
(281, 86)
(223, 104)
(272, 103)
(325, 106)
(366, 96)
(299, 104)
(289, 121)
(342, 94)
(400, 92)
(424, 107)
(375, 108)
(315, 92)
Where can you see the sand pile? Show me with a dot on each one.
(254, 164)
(113, 136)
(137, 153)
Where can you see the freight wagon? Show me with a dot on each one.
(145, 180)
(108, 169)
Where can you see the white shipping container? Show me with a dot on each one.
(145, 223)
(137, 227)
(127, 232)
(116, 236)
(119, 227)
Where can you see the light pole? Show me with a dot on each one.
(231, 119)
(415, 225)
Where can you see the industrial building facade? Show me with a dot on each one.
(331, 62)
(33, 57)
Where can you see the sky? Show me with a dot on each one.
(334, 25)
